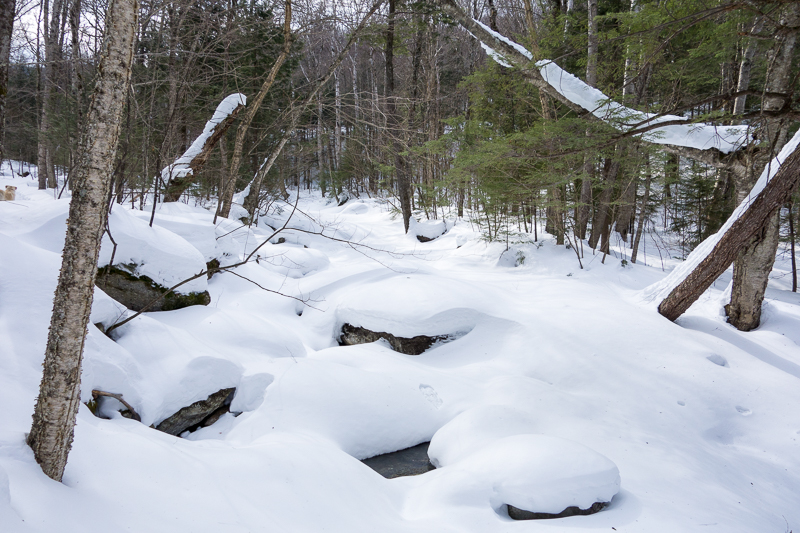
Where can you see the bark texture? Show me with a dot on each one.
(749, 225)
(754, 263)
(6, 27)
(59, 394)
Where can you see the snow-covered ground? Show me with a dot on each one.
(559, 380)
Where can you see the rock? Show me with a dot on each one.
(135, 292)
(408, 462)
(196, 415)
(423, 238)
(352, 335)
(212, 267)
(521, 514)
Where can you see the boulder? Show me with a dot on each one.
(135, 292)
(521, 514)
(352, 335)
(197, 414)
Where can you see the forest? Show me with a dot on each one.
(486, 249)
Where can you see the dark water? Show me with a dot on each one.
(409, 462)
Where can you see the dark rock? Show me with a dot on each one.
(521, 514)
(135, 292)
(423, 238)
(408, 462)
(212, 267)
(352, 335)
(194, 416)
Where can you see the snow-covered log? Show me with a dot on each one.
(180, 174)
(712, 257)
(713, 145)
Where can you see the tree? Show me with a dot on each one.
(6, 27)
(59, 393)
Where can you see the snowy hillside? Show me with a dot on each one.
(553, 386)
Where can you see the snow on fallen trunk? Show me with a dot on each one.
(726, 139)
(159, 254)
(766, 195)
(198, 152)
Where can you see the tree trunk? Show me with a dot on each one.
(642, 212)
(251, 201)
(226, 198)
(749, 226)
(6, 27)
(754, 263)
(402, 178)
(59, 394)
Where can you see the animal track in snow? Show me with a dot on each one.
(430, 395)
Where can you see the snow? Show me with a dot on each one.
(180, 167)
(155, 252)
(559, 388)
(657, 292)
(726, 139)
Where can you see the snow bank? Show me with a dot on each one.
(155, 252)
(192, 223)
(658, 291)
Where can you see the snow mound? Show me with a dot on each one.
(192, 223)
(155, 252)
(428, 229)
(544, 474)
(295, 261)
(474, 429)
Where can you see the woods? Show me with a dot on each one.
(600, 124)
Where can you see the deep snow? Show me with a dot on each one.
(561, 380)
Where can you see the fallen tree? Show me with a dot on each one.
(678, 291)
(179, 175)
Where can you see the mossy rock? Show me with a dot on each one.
(135, 292)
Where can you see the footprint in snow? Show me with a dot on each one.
(430, 395)
(717, 359)
(744, 411)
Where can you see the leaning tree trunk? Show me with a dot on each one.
(742, 232)
(6, 27)
(226, 196)
(754, 263)
(59, 394)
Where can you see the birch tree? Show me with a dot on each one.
(59, 393)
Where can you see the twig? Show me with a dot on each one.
(97, 393)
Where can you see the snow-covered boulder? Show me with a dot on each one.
(427, 230)
(530, 475)
(148, 260)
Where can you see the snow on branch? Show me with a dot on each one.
(696, 140)
(198, 152)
